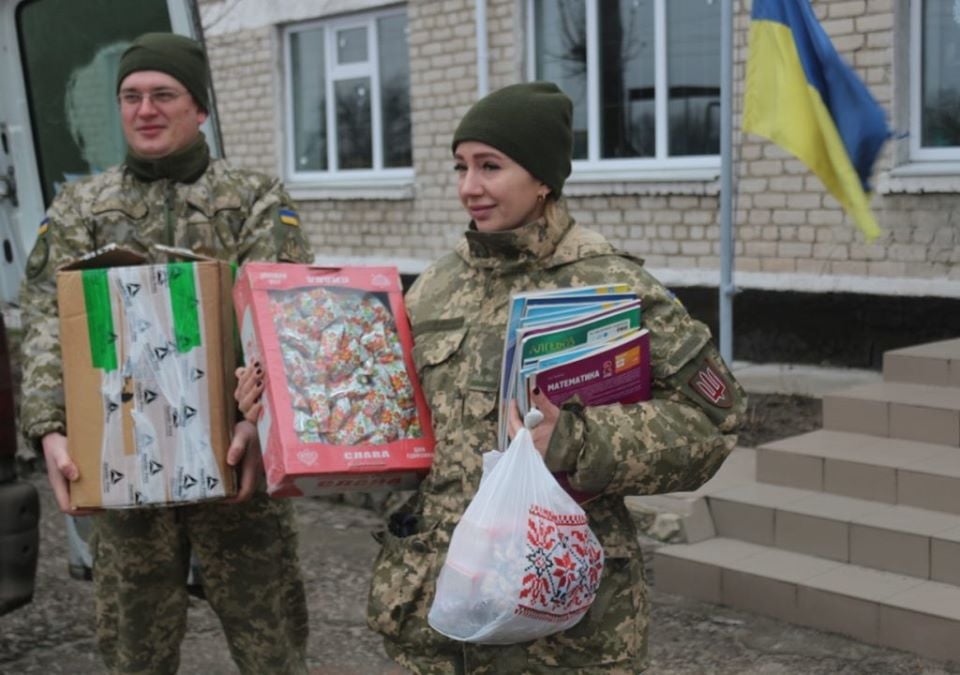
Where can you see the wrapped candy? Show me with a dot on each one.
(342, 407)
(344, 367)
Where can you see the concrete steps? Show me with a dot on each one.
(877, 607)
(854, 528)
(892, 471)
(886, 537)
(917, 412)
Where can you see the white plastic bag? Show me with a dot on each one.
(522, 563)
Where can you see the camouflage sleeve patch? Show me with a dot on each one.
(288, 217)
(709, 383)
(40, 255)
(290, 242)
(673, 296)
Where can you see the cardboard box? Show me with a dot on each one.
(342, 406)
(148, 360)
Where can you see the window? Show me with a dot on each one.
(348, 102)
(644, 76)
(72, 82)
(935, 80)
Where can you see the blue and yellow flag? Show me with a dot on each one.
(803, 97)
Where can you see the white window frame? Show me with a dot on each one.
(661, 167)
(917, 151)
(377, 182)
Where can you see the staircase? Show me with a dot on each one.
(854, 528)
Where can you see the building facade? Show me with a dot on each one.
(354, 102)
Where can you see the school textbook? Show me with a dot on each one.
(586, 342)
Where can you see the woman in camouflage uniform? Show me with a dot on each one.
(512, 152)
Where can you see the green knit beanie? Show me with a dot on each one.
(530, 123)
(176, 55)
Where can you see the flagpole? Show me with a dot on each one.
(727, 288)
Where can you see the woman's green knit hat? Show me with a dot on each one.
(176, 55)
(530, 123)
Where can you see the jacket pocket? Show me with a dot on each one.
(402, 581)
(121, 221)
(434, 347)
(484, 359)
(213, 227)
(435, 354)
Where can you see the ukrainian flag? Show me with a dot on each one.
(802, 96)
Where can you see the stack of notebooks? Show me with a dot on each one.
(584, 342)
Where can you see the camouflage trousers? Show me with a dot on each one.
(248, 562)
(610, 640)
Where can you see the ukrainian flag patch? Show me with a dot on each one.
(44, 226)
(289, 217)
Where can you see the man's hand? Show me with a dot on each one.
(245, 451)
(542, 432)
(61, 471)
(249, 391)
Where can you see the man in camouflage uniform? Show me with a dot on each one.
(168, 191)
(458, 310)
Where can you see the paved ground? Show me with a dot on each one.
(54, 634)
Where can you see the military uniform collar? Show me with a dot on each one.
(524, 246)
(124, 192)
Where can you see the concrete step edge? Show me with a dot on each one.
(879, 608)
(801, 570)
(915, 412)
(890, 537)
(907, 393)
(892, 471)
(936, 363)
(837, 507)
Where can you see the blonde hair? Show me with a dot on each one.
(555, 210)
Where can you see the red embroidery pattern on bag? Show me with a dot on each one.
(570, 519)
(564, 566)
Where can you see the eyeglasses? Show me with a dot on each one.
(132, 98)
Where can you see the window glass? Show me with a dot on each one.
(352, 45)
(352, 99)
(71, 51)
(693, 66)
(561, 39)
(627, 78)
(395, 91)
(309, 100)
(940, 81)
(349, 97)
(657, 91)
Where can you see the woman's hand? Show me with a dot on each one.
(542, 432)
(249, 391)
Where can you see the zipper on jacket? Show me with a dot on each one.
(169, 212)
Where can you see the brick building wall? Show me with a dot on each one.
(243, 67)
(789, 233)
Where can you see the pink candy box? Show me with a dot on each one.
(342, 406)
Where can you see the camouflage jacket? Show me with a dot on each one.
(227, 213)
(676, 441)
